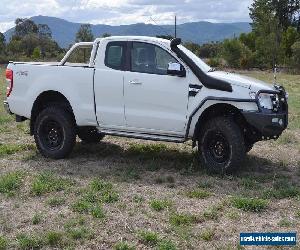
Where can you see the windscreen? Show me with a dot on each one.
(203, 66)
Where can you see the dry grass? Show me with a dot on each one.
(104, 196)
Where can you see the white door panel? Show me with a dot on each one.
(109, 97)
(155, 102)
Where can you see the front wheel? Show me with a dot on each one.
(55, 133)
(221, 146)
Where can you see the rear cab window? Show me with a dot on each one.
(80, 56)
(115, 55)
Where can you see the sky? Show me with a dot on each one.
(117, 12)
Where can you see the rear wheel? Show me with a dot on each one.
(221, 146)
(90, 135)
(54, 132)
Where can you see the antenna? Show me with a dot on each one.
(275, 74)
(175, 26)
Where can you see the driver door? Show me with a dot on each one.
(155, 102)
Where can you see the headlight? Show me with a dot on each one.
(265, 100)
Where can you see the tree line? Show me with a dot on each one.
(31, 41)
(274, 40)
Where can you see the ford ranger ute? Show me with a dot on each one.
(145, 88)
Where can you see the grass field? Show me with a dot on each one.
(131, 194)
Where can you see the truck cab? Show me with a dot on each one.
(146, 88)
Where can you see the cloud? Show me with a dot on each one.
(118, 12)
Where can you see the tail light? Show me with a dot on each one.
(10, 81)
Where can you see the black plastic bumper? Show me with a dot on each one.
(268, 124)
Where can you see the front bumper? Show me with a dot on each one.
(267, 124)
(6, 107)
(270, 123)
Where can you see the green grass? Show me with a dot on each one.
(56, 201)
(249, 183)
(26, 241)
(3, 243)
(123, 246)
(211, 214)
(198, 194)
(97, 211)
(182, 219)
(92, 197)
(284, 222)
(159, 205)
(80, 233)
(10, 149)
(249, 204)
(83, 206)
(205, 184)
(148, 238)
(11, 182)
(207, 234)
(282, 188)
(54, 239)
(297, 214)
(166, 245)
(37, 219)
(47, 182)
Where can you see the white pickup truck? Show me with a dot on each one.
(146, 88)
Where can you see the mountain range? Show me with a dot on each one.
(63, 31)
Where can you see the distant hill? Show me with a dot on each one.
(63, 31)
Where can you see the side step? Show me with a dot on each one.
(143, 136)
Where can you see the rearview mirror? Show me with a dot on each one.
(176, 69)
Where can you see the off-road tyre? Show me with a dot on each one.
(55, 132)
(221, 146)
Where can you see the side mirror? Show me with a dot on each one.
(176, 69)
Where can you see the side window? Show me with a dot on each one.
(115, 55)
(149, 58)
(80, 55)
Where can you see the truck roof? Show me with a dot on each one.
(137, 38)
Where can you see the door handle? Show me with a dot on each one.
(135, 82)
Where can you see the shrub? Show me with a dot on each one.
(36, 219)
(54, 238)
(3, 243)
(123, 246)
(47, 182)
(166, 245)
(177, 219)
(159, 205)
(207, 234)
(249, 204)
(149, 238)
(198, 193)
(28, 241)
(11, 182)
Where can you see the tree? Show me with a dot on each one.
(296, 55)
(106, 35)
(289, 37)
(268, 31)
(44, 31)
(167, 37)
(2, 43)
(232, 52)
(25, 27)
(84, 34)
(248, 39)
(36, 54)
(286, 12)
